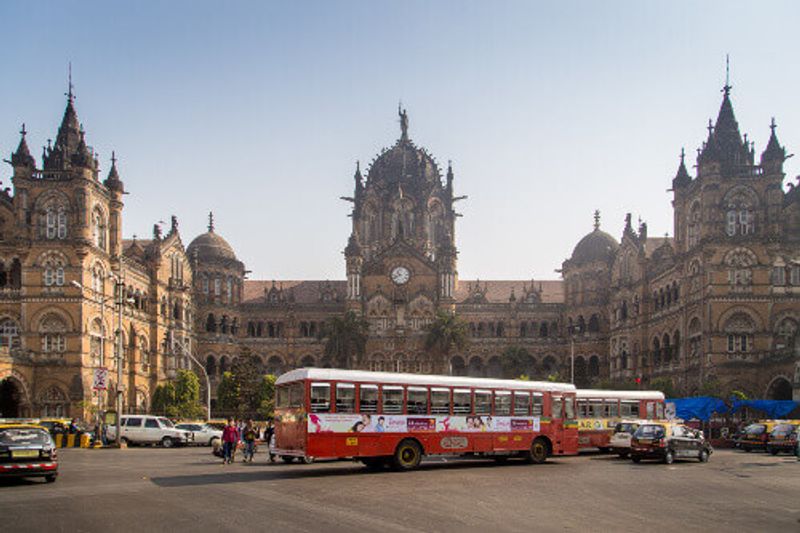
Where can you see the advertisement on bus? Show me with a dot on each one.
(366, 423)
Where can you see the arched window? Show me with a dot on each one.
(211, 365)
(96, 342)
(693, 229)
(676, 346)
(54, 402)
(144, 353)
(666, 349)
(52, 329)
(786, 334)
(99, 229)
(211, 323)
(403, 219)
(543, 329)
(53, 219)
(594, 366)
(740, 262)
(740, 206)
(98, 279)
(656, 352)
(9, 333)
(695, 338)
(581, 324)
(739, 328)
(594, 324)
(53, 271)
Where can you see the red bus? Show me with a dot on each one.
(599, 411)
(396, 419)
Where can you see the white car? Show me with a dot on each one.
(203, 434)
(150, 429)
(620, 442)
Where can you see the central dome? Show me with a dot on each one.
(404, 163)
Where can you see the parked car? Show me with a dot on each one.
(668, 441)
(783, 438)
(755, 436)
(27, 450)
(150, 429)
(620, 442)
(202, 434)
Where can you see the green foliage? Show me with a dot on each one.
(738, 395)
(664, 385)
(554, 377)
(523, 377)
(345, 340)
(267, 406)
(227, 392)
(515, 360)
(179, 398)
(444, 333)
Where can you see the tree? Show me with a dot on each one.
(345, 340)
(516, 361)
(179, 398)
(444, 333)
(267, 406)
(227, 392)
(664, 385)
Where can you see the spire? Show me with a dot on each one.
(211, 222)
(682, 177)
(358, 178)
(449, 174)
(774, 151)
(112, 181)
(22, 157)
(597, 220)
(727, 137)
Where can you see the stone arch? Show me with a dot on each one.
(39, 317)
(15, 399)
(53, 401)
(494, 368)
(549, 365)
(457, 366)
(211, 365)
(475, 368)
(779, 388)
(224, 364)
(594, 366)
(142, 401)
(581, 376)
(307, 361)
(275, 365)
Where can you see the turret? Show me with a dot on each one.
(774, 155)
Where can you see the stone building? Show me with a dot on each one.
(716, 305)
(61, 258)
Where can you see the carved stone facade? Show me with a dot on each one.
(61, 254)
(718, 303)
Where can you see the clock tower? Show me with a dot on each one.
(401, 257)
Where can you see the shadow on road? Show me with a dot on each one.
(312, 471)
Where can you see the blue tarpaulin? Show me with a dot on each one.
(772, 408)
(700, 407)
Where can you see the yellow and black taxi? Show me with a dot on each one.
(783, 438)
(755, 436)
(27, 450)
(668, 441)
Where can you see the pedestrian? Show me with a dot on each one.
(73, 426)
(249, 437)
(230, 437)
(269, 436)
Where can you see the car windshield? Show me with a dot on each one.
(649, 432)
(625, 427)
(166, 422)
(755, 429)
(24, 437)
(783, 429)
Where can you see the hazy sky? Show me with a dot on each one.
(258, 111)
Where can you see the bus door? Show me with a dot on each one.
(570, 425)
(290, 430)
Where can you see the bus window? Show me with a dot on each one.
(538, 404)
(606, 409)
(417, 401)
(522, 404)
(629, 408)
(296, 391)
(320, 397)
(368, 402)
(345, 398)
(569, 407)
(557, 406)
(502, 403)
(583, 409)
(483, 402)
(660, 411)
(392, 400)
(595, 409)
(651, 410)
(462, 402)
(613, 409)
(283, 397)
(440, 401)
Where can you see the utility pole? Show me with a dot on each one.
(188, 354)
(120, 286)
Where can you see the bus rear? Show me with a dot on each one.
(291, 434)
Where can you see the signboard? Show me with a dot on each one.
(100, 381)
(670, 411)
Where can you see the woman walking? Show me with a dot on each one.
(230, 437)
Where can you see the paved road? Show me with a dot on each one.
(148, 489)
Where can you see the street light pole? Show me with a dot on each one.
(205, 374)
(120, 376)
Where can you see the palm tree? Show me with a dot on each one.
(345, 340)
(446, 332)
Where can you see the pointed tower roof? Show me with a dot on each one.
(682, 177)
(22, 157)
(112, 181)
(774, 151)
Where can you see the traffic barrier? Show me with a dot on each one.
(73, 440)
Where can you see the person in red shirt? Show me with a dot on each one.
(230, 437)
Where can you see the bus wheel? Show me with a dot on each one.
(407, 455)
(287, 458)
(538, 453)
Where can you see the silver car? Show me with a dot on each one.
(203, 434)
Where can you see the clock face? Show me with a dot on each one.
(400, 275)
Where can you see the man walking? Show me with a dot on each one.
(230, 437)
(249, 438)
